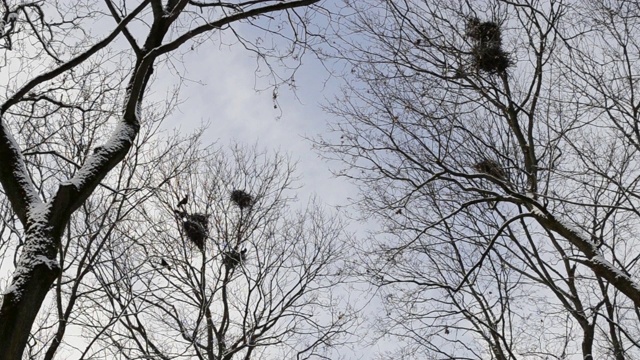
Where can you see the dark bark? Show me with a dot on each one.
(29, 287)
(20, 311)
(587, 341)
(38, 267)
(594, 261)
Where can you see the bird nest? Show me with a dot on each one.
(491, 167)
(490, 59)
(484, 32)
(196, 227)
(233, 258)
(487, 53)
(241, 198)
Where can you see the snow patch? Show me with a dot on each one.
(536, 211)
(39, 212)
(120, 138)
(576, 230)
(13, 288)
(20, 172)
(599, 259)
(51, 263)
(123, 133)
(536, 208)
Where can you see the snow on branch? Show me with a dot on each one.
(74, 191)
(583, 242)
(14, 177)
(120, 140)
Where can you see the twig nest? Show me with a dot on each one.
(241, 198)
(196, 227)
(487, 53)
(233, 258)
(200, 219)
(491, 167)
(490, 59)
(484, 32)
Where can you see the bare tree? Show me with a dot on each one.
(232, 272)
(497, 142)
(91, 231)
(59, 65)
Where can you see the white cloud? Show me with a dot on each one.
(226, 98)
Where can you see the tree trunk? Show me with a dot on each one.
(587, 341)
(30, 285)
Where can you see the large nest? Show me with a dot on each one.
(486, 32)
(491, 167)
(241, 198)
(196, 227)
(490, 59)
(233, 258)
(487, 53)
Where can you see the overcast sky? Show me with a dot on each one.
(227, 99)
(223, 94)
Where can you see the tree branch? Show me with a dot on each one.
(71, 63)
(14, 177)
(173, 45)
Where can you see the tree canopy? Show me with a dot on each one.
(75, 76)
(497, 143)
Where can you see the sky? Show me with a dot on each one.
(227, 99)
(221, 91)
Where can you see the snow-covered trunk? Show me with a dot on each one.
(37, 269)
